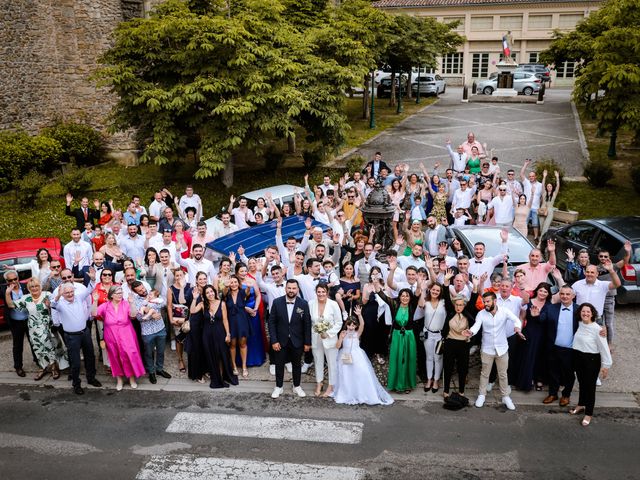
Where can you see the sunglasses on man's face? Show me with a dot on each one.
(67, 278)
(55, 266)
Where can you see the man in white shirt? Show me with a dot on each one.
(501, 208)
(190, 199)
(164, 243)
(152, 237)
(77, 253)
(273, 290)
(480, 264)
(434, 234)
(196, 264)
(514, 188)
(356, 182)
(224, 228)
(462, 197)
(494, 321)
(156, 209)
(410, 273)
(458, 158)
(594, 291)
(133, 244)
(242, 214)
(532, 187)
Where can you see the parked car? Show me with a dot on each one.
(281, 194)
(384, 88)
(22, 251)
(429, 84)
(523, 82)
(603, 234)
(539, 69)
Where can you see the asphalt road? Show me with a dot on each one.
(53, 434)
(514, 132)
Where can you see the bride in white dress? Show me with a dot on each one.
(356, 381)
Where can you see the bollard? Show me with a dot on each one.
(474, 88)
(465, 94)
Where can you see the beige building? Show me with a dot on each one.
(484, 22)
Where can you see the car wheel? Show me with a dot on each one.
(487, 90)
(527, 90)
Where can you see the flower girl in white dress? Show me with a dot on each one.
(357, 382)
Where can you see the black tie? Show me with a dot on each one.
(565, 308)
(280, 285)
(478, 261)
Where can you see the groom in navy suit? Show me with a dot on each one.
(561, 322)
(290, 335)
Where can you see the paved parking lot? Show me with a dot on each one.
(514, 132)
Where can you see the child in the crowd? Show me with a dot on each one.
(357, 382)
(153, 303)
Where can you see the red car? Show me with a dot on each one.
(16, 252)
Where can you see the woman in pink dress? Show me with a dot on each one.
(119, 336)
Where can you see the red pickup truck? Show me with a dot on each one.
(16, 252)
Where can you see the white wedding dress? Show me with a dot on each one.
(357, 382)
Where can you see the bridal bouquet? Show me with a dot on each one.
(322, 326)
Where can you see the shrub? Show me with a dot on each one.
(635, 178)
(273, 159)
(598, 172)
(20, 153)
(82, 145)
(355, 163)
(29, 188)
(551, 166)
(312, 158)
(76, 181)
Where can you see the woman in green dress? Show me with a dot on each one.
(473, 162)
(46, 346)
(402, 353)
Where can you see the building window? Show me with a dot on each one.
(540, 21)
(570, 20)
(480, 65)
(481, 23)
(534, 57)
(460, 27)
(566, 70)
(511, 22)
(452, 64)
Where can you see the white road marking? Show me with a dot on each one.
(188, 467)
(267, 427)
(46, 446)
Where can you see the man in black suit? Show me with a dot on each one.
(290, 335)
(372, 169)
(561, 323)
(82, 214)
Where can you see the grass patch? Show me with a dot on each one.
(617, 199)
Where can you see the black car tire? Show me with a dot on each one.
(527, 91)
(487, 90)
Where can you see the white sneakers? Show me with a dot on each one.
(508, 403)
(289, 367)
(480, 401)
(305, 367)
(489, 387)
(173, 345)
(473, 349)
(277, 392)
(272, 370)
(598, 382)
(298, 391)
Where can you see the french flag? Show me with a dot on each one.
(505, 46)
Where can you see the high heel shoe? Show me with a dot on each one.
(40, 375)
(55, 371)
(586, 421)
(576, 410)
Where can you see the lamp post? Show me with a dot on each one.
(418, 93)
(372, 116)
(400, 108)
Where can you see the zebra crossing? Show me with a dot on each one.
(190, 466)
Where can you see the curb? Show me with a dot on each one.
(353, 150)
(604, 399)
(581, 138)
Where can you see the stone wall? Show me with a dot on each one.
(48, 52)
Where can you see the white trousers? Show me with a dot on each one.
(434, 362)
(319, 352)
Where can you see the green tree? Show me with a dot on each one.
(605, 45)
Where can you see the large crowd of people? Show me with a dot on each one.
(137, 278)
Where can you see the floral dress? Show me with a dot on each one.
(46, 345)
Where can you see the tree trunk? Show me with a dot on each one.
(407, 88)
(365, 98)
(227, 174)
(392, 99)
(291, 143)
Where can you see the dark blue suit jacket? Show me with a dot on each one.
(298, 331)
(549, 318)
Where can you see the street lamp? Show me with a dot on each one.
(400, 108)
(372, 116)
(418, 94)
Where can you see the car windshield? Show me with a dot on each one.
(518, 246)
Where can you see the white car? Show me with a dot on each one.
(430, 83)
(281, 194)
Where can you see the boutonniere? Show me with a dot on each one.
(299, 310)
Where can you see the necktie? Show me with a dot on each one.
(565, 308)
(86, 216)
(280, 285)
(478, 261)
